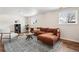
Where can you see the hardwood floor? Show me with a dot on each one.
(1, 46)
(71, 44)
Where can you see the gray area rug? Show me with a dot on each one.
(20, 44)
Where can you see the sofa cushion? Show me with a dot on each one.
(48, 35)
(47, 38)
(44, 29)
(38, 32)
(54, 31)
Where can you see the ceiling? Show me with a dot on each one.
(25, 11)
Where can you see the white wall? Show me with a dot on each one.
(51, 19)
(7, 22)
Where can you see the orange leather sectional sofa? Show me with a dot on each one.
(47, 35)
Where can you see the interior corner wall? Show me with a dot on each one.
(8, 21)
(51, 19)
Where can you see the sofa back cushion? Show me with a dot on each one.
(54, 31)
(51, 30)
(44, 29)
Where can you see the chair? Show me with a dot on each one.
(6, 33)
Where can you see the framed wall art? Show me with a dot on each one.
(68, 17)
